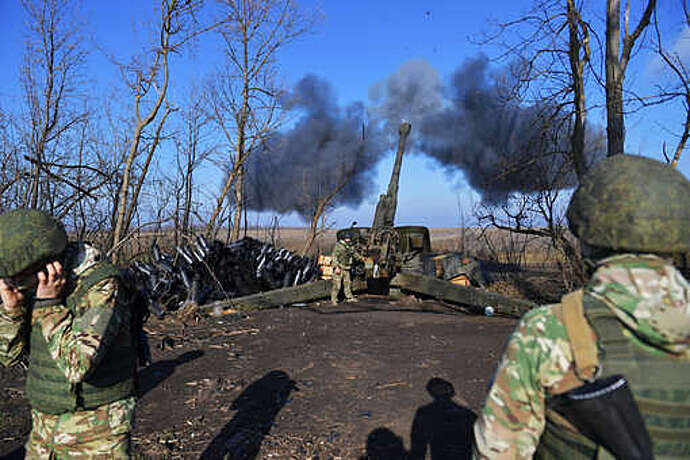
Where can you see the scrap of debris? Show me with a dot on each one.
(199, 272)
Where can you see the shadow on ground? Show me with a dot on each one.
(256, 408)
(383, 444)
(442, 427)
(152, 376)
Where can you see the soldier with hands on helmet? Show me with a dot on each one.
(344, 255)
(632, 319)
(65, 308)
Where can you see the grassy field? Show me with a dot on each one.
(494, 245)
(497, 245)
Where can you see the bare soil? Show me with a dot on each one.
(311, 382)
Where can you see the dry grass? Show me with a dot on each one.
(501, 247)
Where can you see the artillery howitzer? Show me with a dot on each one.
(251, 275)
(395, 257)
(389, 250)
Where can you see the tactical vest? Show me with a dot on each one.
(660, 385)
(343, 255)
(48, 389)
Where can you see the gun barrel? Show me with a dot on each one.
(388, 203)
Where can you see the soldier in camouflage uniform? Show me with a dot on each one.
(68, 304)
(344, 255)
(630, 214)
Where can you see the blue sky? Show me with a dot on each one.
(357, 44)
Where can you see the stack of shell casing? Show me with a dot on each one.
(200, 272)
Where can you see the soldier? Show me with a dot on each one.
(632, 318)
(68, 305)
(344, 255)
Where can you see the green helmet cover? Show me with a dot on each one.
(632, 203)
(28, 236)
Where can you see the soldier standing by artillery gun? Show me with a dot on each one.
(344, 256)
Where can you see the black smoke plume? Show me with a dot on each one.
(500, 145)
(412, 93)
(327, 146)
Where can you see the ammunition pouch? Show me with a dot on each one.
(605, 412)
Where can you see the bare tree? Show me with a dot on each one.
(10, 168)
(616, 65)
(245, 94)
(538, 216)
(555, 58)
(549, 54)
(550, 61)
(148, 80)
(193, 148)
(318, 199)
(674, 61)
(52, 71)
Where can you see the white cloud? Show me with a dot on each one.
(682, 45)
(679, 48)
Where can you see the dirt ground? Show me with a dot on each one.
(311, 382)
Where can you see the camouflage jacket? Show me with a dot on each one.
(652, 300)
(344, 255)
(77, 339)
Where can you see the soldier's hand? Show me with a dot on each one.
(51, 281)
(12, 299)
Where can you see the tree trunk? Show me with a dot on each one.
(314, 224)
(219, 203)
(615, 127)
(241, 154)
(123, 194)
(189, 176)
(616, 63)
(577, 140)
(239, 205)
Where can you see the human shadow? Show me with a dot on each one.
(151, 376)
(443, 426)
(383, 444)
(257, 407)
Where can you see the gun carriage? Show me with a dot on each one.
(250, 275)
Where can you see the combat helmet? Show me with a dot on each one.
(27, 237)
(633, 204)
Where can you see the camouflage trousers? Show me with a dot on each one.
(344, 279)
(103, 432)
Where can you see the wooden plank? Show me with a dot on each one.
(476, 299)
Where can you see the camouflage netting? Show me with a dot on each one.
(28, 236)
(632, 203)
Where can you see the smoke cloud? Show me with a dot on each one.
(501, 146)
(412, 94)
(328, 146)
